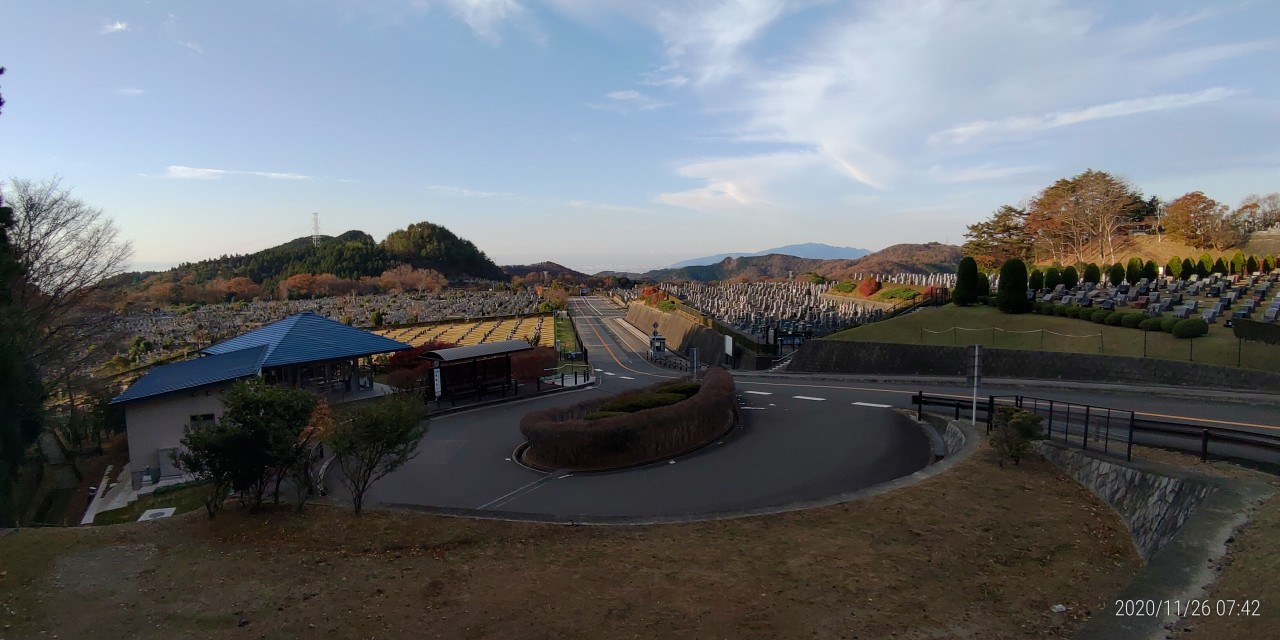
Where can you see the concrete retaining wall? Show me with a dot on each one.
(1154, 506)
(883, 358)
(681, 333)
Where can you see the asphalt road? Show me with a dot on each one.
(791, 445)
(799, 439)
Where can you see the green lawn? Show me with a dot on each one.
(187, 497)
(959, 326)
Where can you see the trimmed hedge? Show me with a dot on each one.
(596, 415)
(632, 403)
(1190, 328)
(562, 437)
(1166, 325)
(685, 388)
(1150, 324)
(1113, 319)
(1131, 320)
(1099, 316)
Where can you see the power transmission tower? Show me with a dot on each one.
(315, 229)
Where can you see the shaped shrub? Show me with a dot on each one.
(1132, 320)
(579, 437)
(1190, 328)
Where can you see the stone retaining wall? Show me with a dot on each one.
(1153, 506)
(883, 358)
(953, 438)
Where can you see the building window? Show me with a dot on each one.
(202, 420)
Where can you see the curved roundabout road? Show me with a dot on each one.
(788, 447)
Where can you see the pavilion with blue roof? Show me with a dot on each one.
(304, 351)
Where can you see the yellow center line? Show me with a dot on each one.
(615, 357)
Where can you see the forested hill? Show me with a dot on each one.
(352, 255)
(551, 269)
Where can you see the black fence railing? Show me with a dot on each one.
(1114, 431)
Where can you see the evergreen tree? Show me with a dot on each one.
(1116, 275)
(1012, 294)
(1070, 277)
(1133, 272)
(1092, 273)
(1189, 269)
(1052, 278)
(966, 291)
(1150, 271)
(1035, 280)
(1174, 268)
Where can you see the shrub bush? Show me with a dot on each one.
(596, 415)
(1132, 320)
(868, 287)
(1011, 295)
(562, 438)
(899, 293)
(1166, 324)
(1113, 319)
(1070, 277)
(1190, 328)
(1092, 274)
(685, 388)
(1150, 324)
(1012, 432)
(632, 403)
(1099, 316)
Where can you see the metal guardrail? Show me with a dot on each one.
(1115, 431)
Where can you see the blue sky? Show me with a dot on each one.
(624, 134)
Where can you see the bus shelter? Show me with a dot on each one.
(472, 371)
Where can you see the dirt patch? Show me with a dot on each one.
(975, 552)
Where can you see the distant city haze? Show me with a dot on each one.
(625, 136)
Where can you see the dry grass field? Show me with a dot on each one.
(978, 552)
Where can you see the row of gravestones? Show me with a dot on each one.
(1221, 295)
(789, 307)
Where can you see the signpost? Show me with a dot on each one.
(693, 361)
(973, 377)
(728, 350)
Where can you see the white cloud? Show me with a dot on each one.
(463, 192)
(1023, 125)
(860, 88)
(113, 27)
(738, 185)
(487, 17)
(708, 38)
(629, 101)
(197, 173)
(129, 92)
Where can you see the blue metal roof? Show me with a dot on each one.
(195, 373)
(307, 337)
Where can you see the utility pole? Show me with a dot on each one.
(315, 229)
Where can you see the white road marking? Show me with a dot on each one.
(755, 408)
(809, 398)
(599, 369)
(626, 378)
(610, 373)
(759, 393)
(872, 404)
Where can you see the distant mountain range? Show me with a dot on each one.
(900, 258)
(812, 250)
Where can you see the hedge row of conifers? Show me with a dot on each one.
(1179, 327)
(631, 428)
